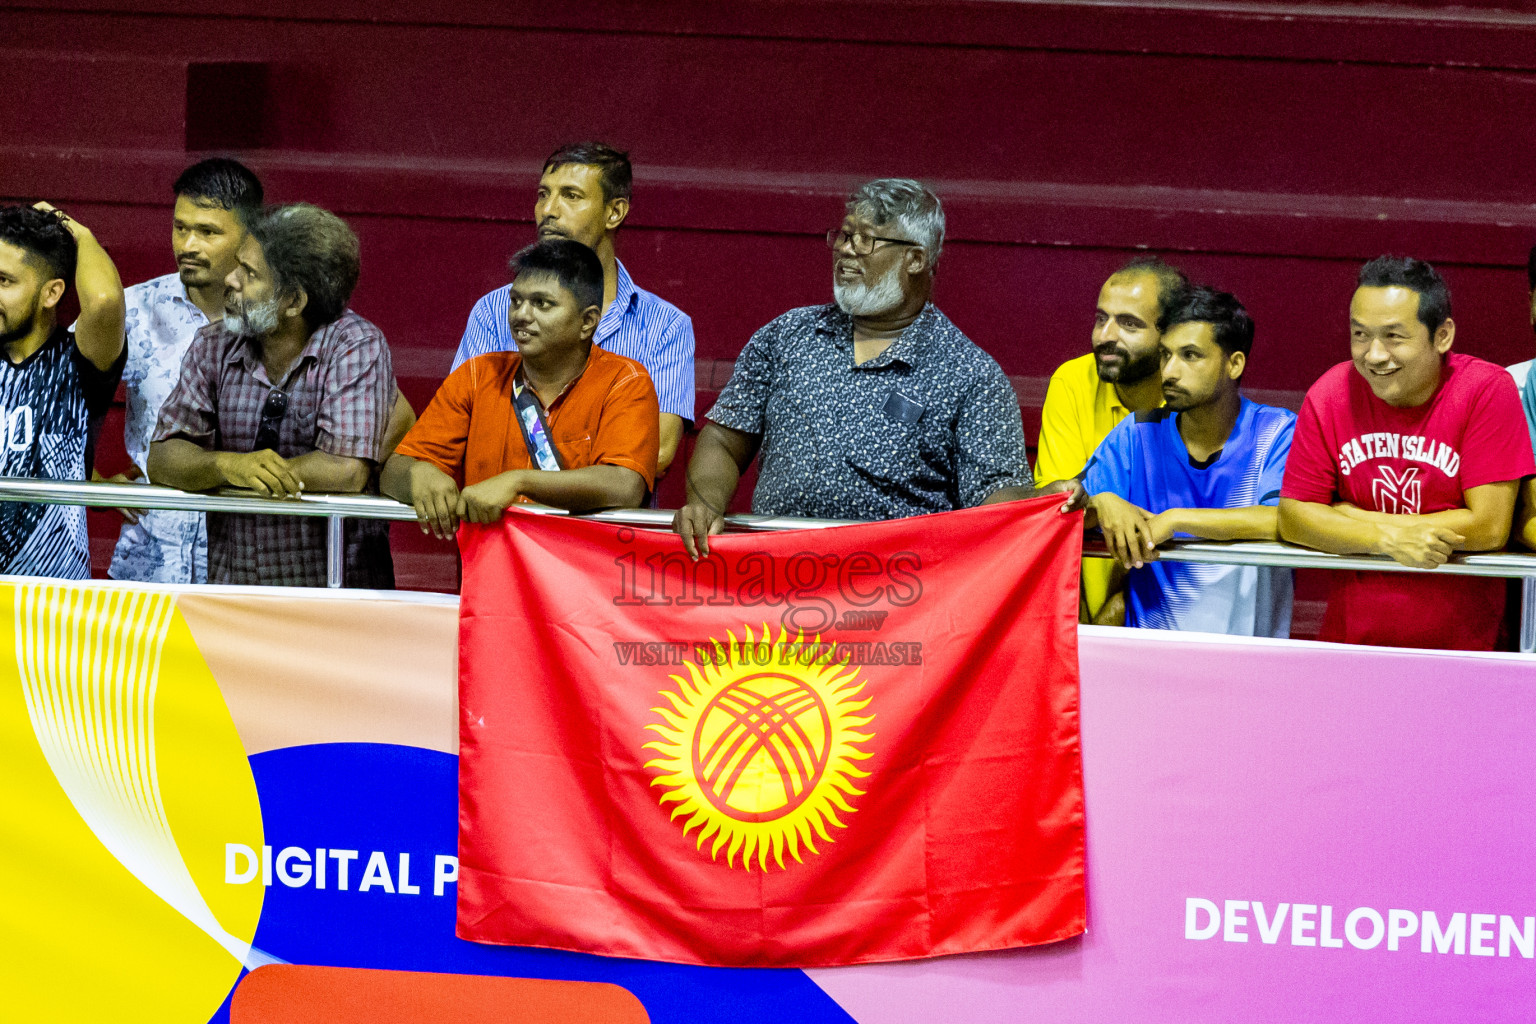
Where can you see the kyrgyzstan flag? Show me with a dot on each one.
(812, 748)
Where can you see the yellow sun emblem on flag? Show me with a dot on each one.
(758, 749)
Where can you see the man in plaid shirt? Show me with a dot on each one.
(290, 392)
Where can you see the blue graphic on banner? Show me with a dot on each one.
(362, 840)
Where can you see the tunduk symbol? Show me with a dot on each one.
(758, 751)
(774, 726)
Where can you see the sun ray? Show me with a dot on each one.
(758, 748)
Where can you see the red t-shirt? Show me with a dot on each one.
(1352, 446)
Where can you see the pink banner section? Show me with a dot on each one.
(1279, 831)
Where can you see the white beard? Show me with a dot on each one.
(861, 298)
(253, 321)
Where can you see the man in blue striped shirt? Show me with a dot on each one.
(584, 195)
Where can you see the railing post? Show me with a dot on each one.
(335, 550)
(1528, 615)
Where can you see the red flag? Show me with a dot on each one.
(813, 748)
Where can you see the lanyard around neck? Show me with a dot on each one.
(531, 421)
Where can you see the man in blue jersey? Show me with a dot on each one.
(1208, 464)
(584, 195)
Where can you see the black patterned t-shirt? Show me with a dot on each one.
(51, 408)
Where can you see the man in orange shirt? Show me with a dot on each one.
(558, 421)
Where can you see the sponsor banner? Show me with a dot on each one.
(200, 783)
(1282, 831)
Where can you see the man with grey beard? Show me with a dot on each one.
(874, 406)
(290, 393)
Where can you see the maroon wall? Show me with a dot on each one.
(1268, 148)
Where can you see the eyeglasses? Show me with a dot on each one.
(272, 412)
(862, 245)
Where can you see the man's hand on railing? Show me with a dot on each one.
(265, 472)
(696, 522)
(1412, 540)
(488, 500)
(434, 495)
(1128, 531)
(128, 476)
(1419, 544)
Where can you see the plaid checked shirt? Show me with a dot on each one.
(340, 391)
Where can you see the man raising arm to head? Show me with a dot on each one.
(1409, 450)
(55, 383)
(559, 421)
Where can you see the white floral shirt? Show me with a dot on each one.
(164, 546)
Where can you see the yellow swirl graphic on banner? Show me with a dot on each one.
(121, 779)
(758, 750)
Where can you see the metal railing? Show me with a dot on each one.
(337, 508)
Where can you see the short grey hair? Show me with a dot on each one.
(908, 204)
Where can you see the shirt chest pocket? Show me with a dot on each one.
(301, 424)
(900, 441)
(575, 452)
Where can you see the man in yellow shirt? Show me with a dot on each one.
(1088, 395)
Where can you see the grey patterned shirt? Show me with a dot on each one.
(929, 425)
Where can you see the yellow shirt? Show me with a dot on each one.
(1079, 412)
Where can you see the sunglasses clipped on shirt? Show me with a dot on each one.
(272, 412)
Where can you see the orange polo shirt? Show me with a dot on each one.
(608, 416)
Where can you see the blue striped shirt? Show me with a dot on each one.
(637, 324)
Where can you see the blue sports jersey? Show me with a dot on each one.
(1144, 461)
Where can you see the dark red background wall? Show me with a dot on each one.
(1267, 148)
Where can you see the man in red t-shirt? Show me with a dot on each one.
(1412, 451)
